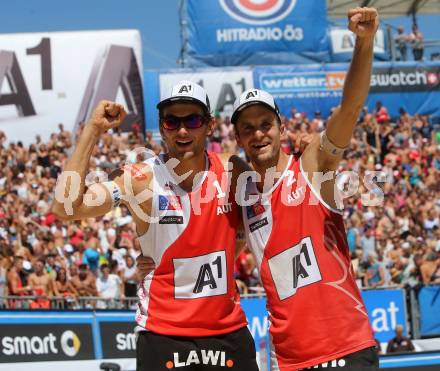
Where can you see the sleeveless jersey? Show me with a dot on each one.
(192, 290)
(316, 310)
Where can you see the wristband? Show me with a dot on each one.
(327, 146)
(115, 192)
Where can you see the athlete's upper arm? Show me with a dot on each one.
(320, 169)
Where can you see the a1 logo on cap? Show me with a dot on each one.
(252, 94)
(184, 89)
(258, 11)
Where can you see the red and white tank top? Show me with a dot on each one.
(191, 238)
(316, 310)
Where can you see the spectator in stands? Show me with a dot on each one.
(400, 343)
(381, 113)
(84, 282)
(41, 284)
(16, 286)
(368, 241)
(416, 39)
(430, 268)
(106, 235)
(375, 275)
(401, 42)
(109, 286)
(64, 287)
(215, 140)
(129, 275)
(4, 265)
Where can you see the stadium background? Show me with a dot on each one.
(155, 53)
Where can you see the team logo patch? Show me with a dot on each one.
(169, 203)
(254, 210)
(258, 11)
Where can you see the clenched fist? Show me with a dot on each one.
(364, 22)
(107, 115)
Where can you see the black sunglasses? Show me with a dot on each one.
(193, 121)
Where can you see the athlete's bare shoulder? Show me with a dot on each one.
(224, 158)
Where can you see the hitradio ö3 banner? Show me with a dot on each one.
(255, 32)
(52, 78)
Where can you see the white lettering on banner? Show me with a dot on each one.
(380, 320)
(125, 342)
(256, 327)
(399, 79)
(289, 33)
(24, 345)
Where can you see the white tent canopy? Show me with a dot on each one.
(387, 8)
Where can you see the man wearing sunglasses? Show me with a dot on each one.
(296, 230)
(189, 314)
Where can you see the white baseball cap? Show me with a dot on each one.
(254, 96)
(187, 91)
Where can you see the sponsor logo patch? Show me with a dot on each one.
(258, 224)
(171, 219)
(169, 203)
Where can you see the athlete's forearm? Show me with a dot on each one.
(78, 165)
(356, 87)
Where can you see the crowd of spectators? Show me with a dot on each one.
(396, 243)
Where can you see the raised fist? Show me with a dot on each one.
(364, 22)
(107, 115)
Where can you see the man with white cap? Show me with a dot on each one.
(296, 230)
(189, 313)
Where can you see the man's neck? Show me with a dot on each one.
(193, 166)
(270, 172)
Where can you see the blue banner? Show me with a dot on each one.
(429, 306)
(256, 315)
(310, 88)
(386, 309)
(152, 97)
(250, 32)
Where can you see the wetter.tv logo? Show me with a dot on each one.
(258, 11)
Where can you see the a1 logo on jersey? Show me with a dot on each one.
(294, 268)
(200, 276)
(258, 11)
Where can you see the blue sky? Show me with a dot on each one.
(157, 20)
